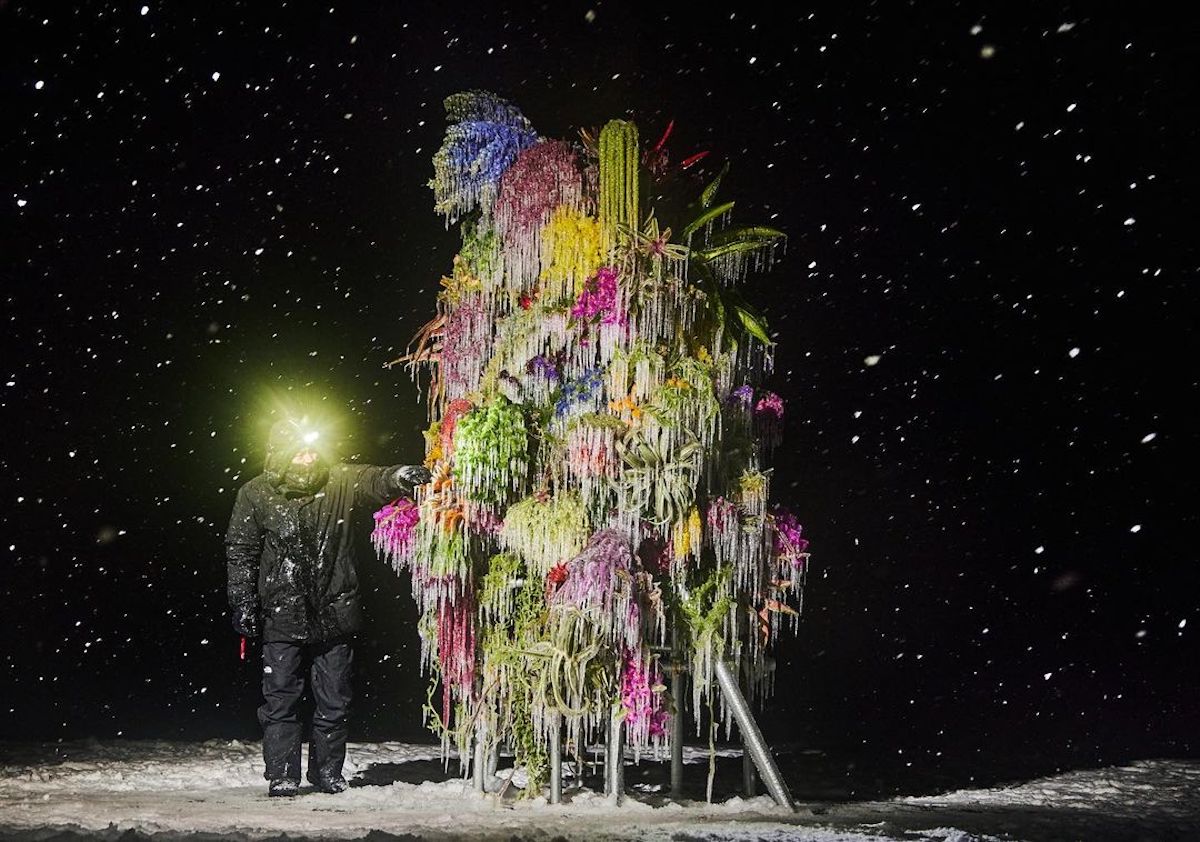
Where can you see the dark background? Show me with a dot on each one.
(989, 197)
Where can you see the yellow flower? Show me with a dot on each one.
(687, 534)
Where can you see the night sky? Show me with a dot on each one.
(986, 339)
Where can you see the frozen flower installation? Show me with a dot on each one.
(597, 440)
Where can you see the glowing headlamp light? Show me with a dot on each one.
(311, 436)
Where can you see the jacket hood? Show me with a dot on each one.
(286, 439)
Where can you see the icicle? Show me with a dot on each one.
(592, 460)
(466, 345)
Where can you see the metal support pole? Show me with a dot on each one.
(493, 761)
(614, 754)
(677, 730)
(478, 770)
(752, 737)
(556, 761)
(749, 779)
(607, 760)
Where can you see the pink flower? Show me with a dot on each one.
(396, 528)
(643, 707)
(599, 297)
(722, 515)
(770, 404)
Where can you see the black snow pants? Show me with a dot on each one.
(285, 664)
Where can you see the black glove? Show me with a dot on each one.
(414, 474)
(245, 620)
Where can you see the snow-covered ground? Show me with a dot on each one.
(103, 790)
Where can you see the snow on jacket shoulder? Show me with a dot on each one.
(294, 556)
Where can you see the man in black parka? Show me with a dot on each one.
(292, 577)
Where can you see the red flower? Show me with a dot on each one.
(557, 574)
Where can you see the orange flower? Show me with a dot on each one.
(626, 404)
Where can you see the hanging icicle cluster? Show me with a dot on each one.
(544, 179)
(394, 535)
(491, 452)
(598, 441)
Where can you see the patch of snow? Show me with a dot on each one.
(216, 787)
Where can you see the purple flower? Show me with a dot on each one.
(395, 528)
(543, 365)
(743, 394)
(789, 546)
(592, 576)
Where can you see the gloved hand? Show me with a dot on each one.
(414, 474)
(245, 620)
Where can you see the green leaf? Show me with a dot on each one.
(710, 192)
(751, 320)
(748, 232)
(738, 241)
(705, 218)
(754, 325)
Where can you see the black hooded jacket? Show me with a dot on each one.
(292, 555)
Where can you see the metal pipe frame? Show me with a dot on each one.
(479, 771)
(556, 761)
(752, 737)
(677, 730)
(614, 761)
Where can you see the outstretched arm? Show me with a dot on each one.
(243, 549)
(376, 485)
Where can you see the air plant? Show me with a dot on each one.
(655, 481)
(545, 530)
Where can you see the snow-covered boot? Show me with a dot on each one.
(283, 787)
(332, 785)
